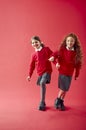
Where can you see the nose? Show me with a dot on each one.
(70, 43)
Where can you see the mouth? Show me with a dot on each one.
(36, 46)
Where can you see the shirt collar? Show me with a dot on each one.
(72, 49)
(39, 49)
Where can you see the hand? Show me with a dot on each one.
(76, 78)
(76, 74)
(51, 58)
(28, 78)
(57, 65)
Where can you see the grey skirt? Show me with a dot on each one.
(64, 82)
(45, 78)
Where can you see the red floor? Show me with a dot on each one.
(18, 111)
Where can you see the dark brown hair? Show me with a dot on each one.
(37, 39)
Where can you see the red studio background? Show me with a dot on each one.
(19, 99)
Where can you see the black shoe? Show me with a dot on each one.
(42, 106)
(62, 107)
(57, 103)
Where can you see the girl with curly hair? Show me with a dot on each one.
(69, 60)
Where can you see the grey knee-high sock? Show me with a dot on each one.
(42, 92)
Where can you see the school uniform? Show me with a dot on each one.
(66, 59)
(43, 66)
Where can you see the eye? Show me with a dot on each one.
(34, 42)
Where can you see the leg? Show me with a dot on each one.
(42, 95)
(61, 94)
(43, 80)
(42, 91)
(59, 101)
(64, 84)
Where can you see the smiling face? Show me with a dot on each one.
(36, 44)
(70, 41)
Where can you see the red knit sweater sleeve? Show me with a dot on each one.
(55, 55)
(32, 65)
(77, 69)
(48, 52)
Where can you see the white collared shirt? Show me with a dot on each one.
(72, 49)
(39, 49)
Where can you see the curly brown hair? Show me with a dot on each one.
(77, 47)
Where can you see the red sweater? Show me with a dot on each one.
(40, 61)
(66, 59)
